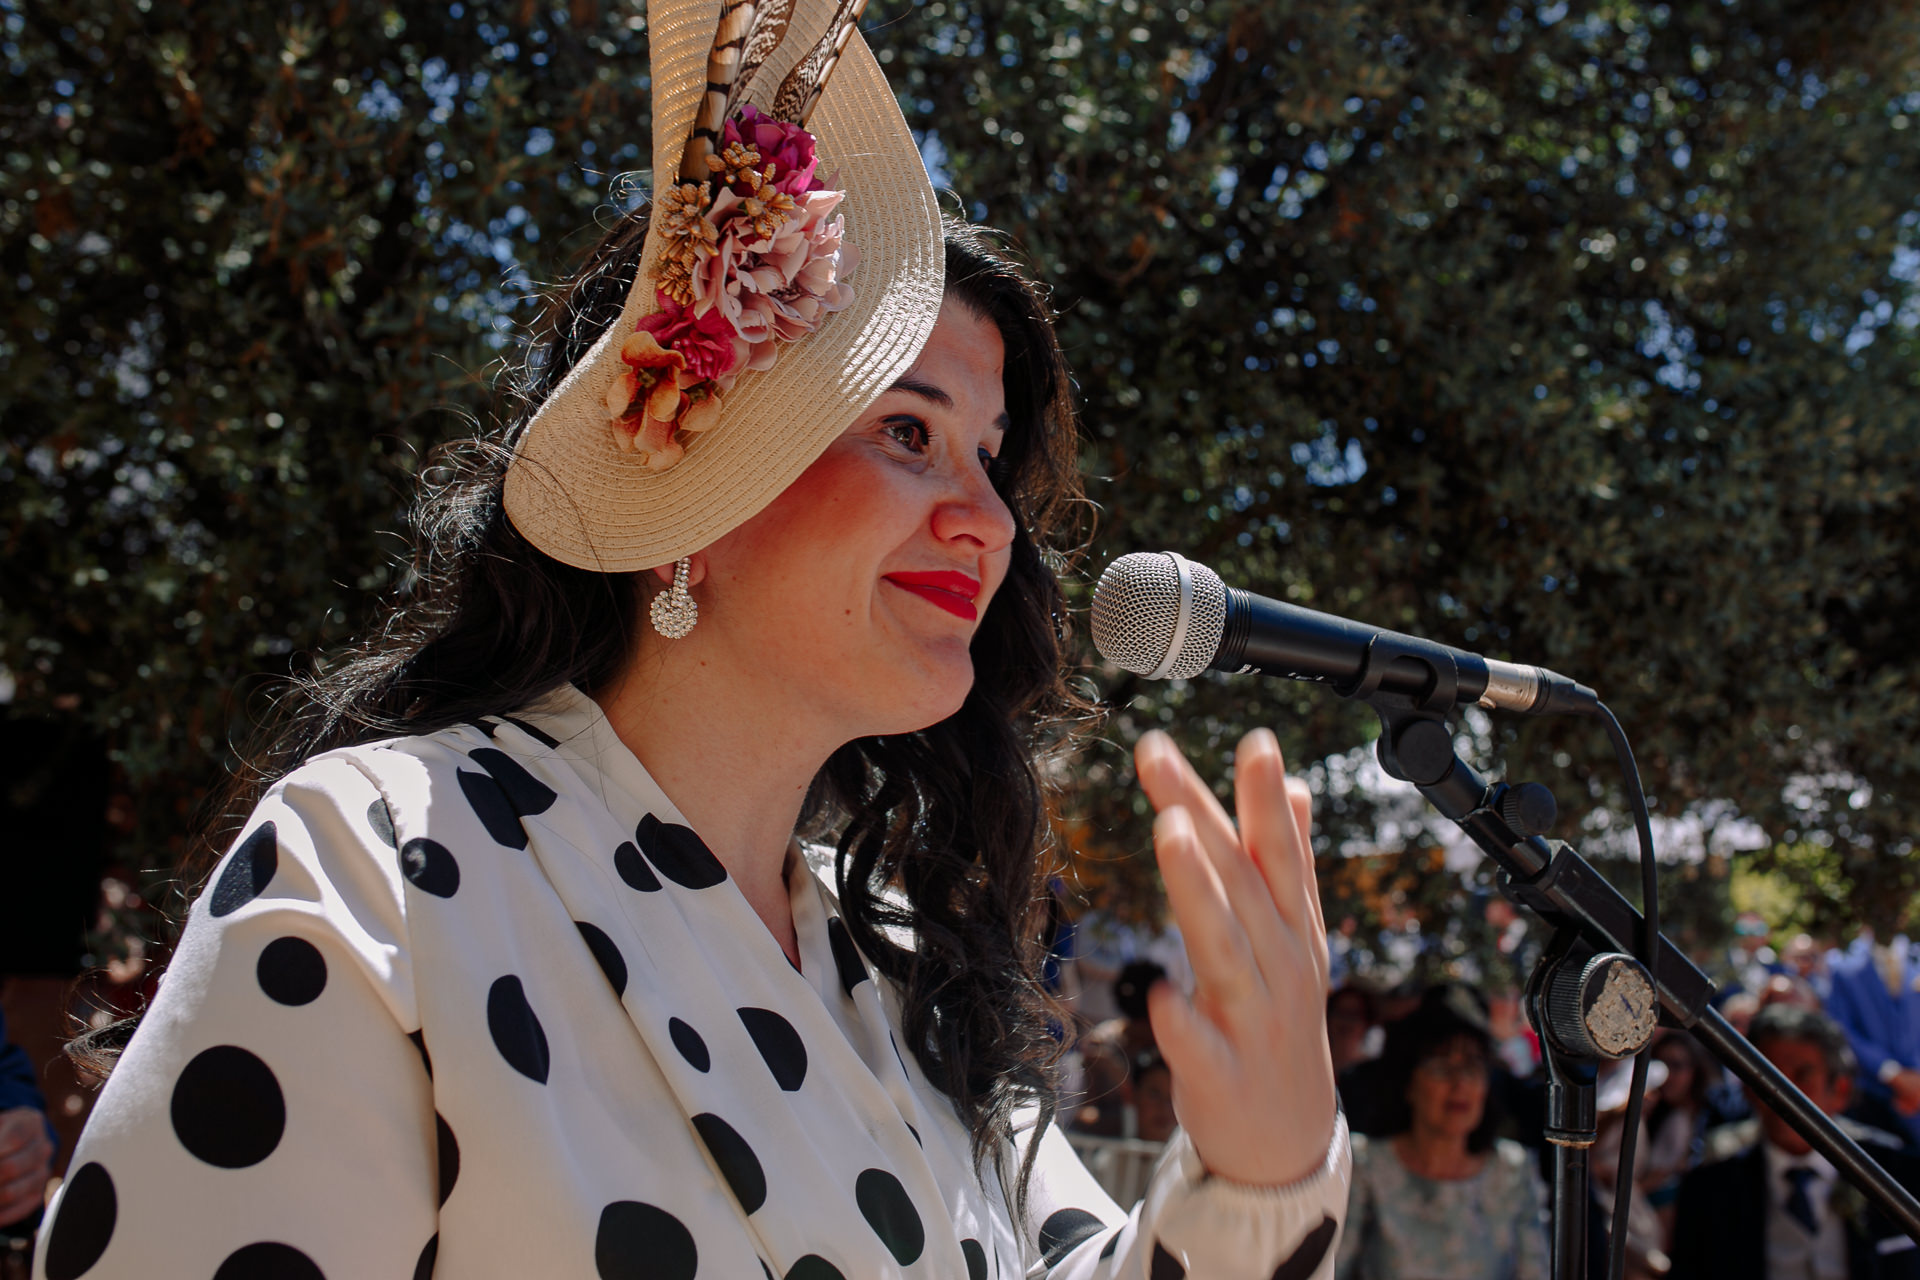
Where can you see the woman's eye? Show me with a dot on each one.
(990, 462)
(911, 433)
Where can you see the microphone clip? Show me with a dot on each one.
(1415, 744)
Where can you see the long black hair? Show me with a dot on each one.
(950, 820)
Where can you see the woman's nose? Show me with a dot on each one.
(974, 510)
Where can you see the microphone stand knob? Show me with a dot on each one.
(1529, 809)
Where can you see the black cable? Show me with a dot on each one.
(1649, 957)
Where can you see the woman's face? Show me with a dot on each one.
(1678, 1087)
(858, 589)
(1448, 1091)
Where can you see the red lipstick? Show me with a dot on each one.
(952, 591)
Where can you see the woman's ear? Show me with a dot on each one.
(696, 570)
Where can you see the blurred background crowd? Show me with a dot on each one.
(1444, 1088)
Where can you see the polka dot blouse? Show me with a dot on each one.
(481, 1004)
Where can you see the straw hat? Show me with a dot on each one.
(573, 492)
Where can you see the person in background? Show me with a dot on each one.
(1875, 997)
(1679, 1113)
(1790, 988)
(1766, 1205)
(1750, 960)
(26, 1140)
(1646, 1237)
(1438, 1197)
(1350, 1018)
(1108, 1051)
(1151, 1089)
(1807, 959)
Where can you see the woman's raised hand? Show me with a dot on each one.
(1252, 1075)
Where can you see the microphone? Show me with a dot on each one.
(1160, 615)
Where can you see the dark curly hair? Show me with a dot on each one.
(1446, 1014)
(950, 820)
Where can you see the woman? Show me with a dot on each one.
(1678, 1117)
(523, 967)
(1442, 1198)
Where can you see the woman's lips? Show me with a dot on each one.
(952, 591)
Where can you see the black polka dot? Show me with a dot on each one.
(738, 1165)
(268, 1261)
(423, 1269)
(690, 1045)
(543, 738)
(779, 1044)
(612, 963)
(1063, 1231)
(419, 1039)
(846, 956)
(885, 1205)
(1306, 1259)
(380, 818)
(429, 867)
(291, 971)
(641, 1242)
(526, 793)
(1165, 1265)
(449, 1155)
(814, 1267)
(492, 807)
(976, 1259)
(678, 854)
(84, 1227)
(634, 869)
(516, 1032)
(248, 871)
(228, 1109)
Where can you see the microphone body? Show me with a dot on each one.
(1158, 614)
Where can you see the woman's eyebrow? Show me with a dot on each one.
(925, 390)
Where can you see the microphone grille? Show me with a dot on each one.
(1144, 622)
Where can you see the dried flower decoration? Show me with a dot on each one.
(748, 261)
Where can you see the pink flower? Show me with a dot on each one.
(778, 288)
(704, 341)
(788, 146)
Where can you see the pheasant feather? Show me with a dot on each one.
(800, 91)
(769, 28)
(723, 65)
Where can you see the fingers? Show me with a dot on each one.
(1191, 1044)
(21, 1196)
(27, 1159)
(1268, 824)
(1246, 895)
(1215, 940)
(1169, 779)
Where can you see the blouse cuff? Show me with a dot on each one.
(1220, 1228)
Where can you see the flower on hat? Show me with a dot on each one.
(741, 270)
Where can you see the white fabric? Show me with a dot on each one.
(1792, 1254)
(618, 1073)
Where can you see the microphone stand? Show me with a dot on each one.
(1588, 998)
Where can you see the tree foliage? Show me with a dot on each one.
(1577, 334)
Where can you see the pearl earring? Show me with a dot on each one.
(674, 610)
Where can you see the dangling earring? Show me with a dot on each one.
(674, 610)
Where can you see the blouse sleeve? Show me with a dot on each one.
(272, 1114)
(1190, 1223)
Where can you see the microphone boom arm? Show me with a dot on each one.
(1554, 881)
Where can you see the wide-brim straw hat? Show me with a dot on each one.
(574, 493)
